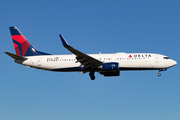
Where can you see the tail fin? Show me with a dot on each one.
(22, 45)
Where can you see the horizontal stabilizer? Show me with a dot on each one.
(16, 57)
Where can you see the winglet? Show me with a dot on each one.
(65, 44)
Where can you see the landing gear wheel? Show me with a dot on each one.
(159, 74)
(92, 77)
(91, 74)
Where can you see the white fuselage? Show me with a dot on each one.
(127, 61)
(105, 64)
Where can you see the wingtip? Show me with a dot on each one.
(65, 44)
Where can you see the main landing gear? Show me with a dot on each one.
(91, 74)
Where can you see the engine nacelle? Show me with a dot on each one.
(109, 66)
(115, 73)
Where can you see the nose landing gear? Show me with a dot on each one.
(162, 69)
(159, 74)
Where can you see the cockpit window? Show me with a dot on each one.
(166, 57)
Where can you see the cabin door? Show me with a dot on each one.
(157, 59)
(39, 62)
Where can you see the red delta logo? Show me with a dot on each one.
(130, 56)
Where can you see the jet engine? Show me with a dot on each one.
(109, 66)
(110, 69)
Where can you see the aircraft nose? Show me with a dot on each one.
(173, 62)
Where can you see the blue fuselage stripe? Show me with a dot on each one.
(81, 69)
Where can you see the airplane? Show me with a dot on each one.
(105, 64)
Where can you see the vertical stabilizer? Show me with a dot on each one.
(22, 45)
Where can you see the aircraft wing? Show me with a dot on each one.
(84, 59)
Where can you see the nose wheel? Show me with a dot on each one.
(159, 74)
(91, 74)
